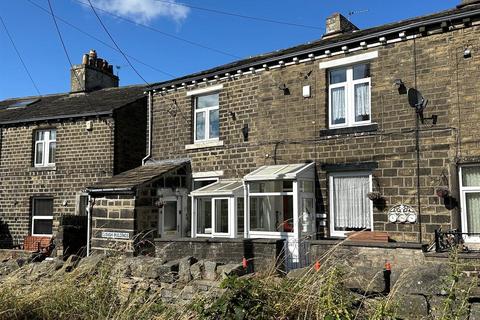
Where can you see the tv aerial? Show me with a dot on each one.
(419, 103)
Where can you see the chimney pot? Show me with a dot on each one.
(337, 24)
(94, 74)
(85, 59)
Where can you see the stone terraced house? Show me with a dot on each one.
(53, 146)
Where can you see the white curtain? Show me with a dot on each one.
(471, 176)
(473, 212)
(351, 208)
(362, 100)
(338, 105)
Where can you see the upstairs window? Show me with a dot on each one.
(45, 147)
(206, 117)
(349, 96)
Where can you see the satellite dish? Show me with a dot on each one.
(416, 100)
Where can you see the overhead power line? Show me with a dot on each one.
(116, 45)
(20, 56)
(100, 40)
(197, 44)
(233, 14)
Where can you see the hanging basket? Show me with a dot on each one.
(442, 192)
(375, 195)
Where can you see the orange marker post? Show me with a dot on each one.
(317, 265)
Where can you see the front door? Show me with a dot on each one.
(170, 218)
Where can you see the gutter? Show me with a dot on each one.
(110, 190)
(149, 126)
(80, 115)
(378, 34)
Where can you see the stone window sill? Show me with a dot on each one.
(349, 130)
(207, 144)
(49, 168)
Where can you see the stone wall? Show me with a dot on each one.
(262, 254)
(113, 224)
(292, 129)
(82, 158)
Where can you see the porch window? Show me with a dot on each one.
(45, 147)
(350, 208)
(216, 210)
(42, 216)
(470, 197)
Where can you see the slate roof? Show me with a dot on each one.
(457, 13)
(129, 180)
(65, 105)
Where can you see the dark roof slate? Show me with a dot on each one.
(67, 105)
(128, 180)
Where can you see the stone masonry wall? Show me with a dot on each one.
(113, 224)
(292, 129)
(82, 158)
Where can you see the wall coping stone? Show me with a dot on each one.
(216, 240)
(350, 243)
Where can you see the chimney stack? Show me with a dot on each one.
(337, 25)
(467, 3)
(94, 74)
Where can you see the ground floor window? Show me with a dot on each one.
(350, 208)
(470, 200)
(204, 216)
(42, 216)
(271, 213)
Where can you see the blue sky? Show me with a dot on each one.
(37, 41)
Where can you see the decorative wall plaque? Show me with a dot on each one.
(402, 213)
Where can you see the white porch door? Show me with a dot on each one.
(170, 219)
(470, 202)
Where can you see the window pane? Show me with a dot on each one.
(362, 102)
(200, 126)
(39, 153)
(221, 216)
(197, 184)
(43, 226)
(204, 216)
(271, 213)
(338, 105)
(39, 135)
(170, 216)
(338, 76)
(213, 124)
(51, 152)
(53, 135)
(267, 186)
(361, 71)
(43, 207)
(207, 101)
(306, 218)
(471, 176)
(240, 216)
(306, 186)
(473, 212)
(351, 207)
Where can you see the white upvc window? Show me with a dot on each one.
(214, 216)
(206, 118)
(350, 208)
(349, 96)
(45, 148)
(470, 201)
(42, 216)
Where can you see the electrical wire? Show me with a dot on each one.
(232, 14)
(163, 32)
(100, 40)
(20, 56)
(116, 45)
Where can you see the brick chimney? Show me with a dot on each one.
(337, 25)
(467, 3)
(94, 74)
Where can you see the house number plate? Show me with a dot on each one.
(115, 235)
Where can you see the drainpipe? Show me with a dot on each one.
(91, 202)
(149, 126)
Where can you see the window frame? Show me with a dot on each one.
(331, 176)
(206, 111)
(349, 87)
(463, 203)
(231, 215)
(33, 217)
(46, 142)
(212, 179)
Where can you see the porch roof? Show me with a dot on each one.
(278, 172)
(222, 187)
(127, 181)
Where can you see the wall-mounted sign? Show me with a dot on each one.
(402, 213)
(115, 235)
